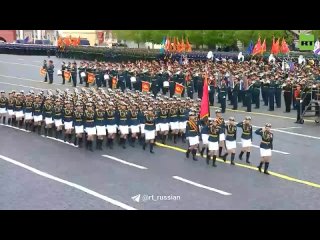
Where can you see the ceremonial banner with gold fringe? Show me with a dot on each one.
(67, 75)
(145, 86)
(91, 78)
(178, 89)
(114, 82)
(43, 72)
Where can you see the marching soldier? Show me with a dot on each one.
(134, 123)
(231, 137)
(213, 141)
(11, 114)
(3, 106)
(123, 123)
(90, 128)
(149, 129)
(81, 71)
(28, 109)
(192, 133)
(57, 117)
(174, 123)
(18, 110)
(100, 122)
(204, 136)
(182, 118)
(50, 71)
(222, 136)
(37, 113)
(78, 116)
(164, 121)
(47, 114)
(111, 123)
(246, 138)
(266, 146)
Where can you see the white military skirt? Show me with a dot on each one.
(19, 114)
(112, 129)
(37, 118)
(58, 122)
(231, 144)
(193, 140)
(79, 129)
(205, 138)
(124, 129)
(28, 116)
(101, 130)
(68, 125)
(246, 142)
(265, 152)
(164, 127)
(174, 125)
(142, 128)
(183, 125)
(222, 137)
(213, 146)
(48, 120)
(91, 130)
(150, 134)
(11, 112)
(3, 111)
(135, 129)
(158, 127)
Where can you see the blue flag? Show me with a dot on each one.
(250, 47)
(162, 45)
(26, 40)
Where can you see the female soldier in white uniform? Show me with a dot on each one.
(246, 138)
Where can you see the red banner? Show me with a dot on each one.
(114, 82)
(43, 72)
(67, 75)
(91, 77)
(204, 109)
(178, 89)
(145, 86)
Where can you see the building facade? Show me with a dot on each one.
(8, 36)
(95, 37)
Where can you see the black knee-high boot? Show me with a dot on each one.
(183, 137)
(98, 143)
(232, 158)
(194, 154)
(69, 138)
(220, 151)
(45, 131)
(175, 138)
(260, 166)
(124, 143)
(75, 142)
(225, 157)
(144, 144)
(4, 120)
(90, 145)
(151, 147)
(39, 129)
(133, 140)
(26, 126)
(208, 159)
(247, 157)
(188, 153)
(50, 132)
(214, 158)
(164, 138)
(266, 166)
(202, 151)
(240, 155)
(9, 121)
(80, 141)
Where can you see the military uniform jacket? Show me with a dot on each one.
(192, 129)
(163, 116)
(246, 131)
(213, 134)
(37, 108)
(50, 69)
(100, 119)
(28, 106)
(150, 123)
(47, 110)
(78, 118)
(222, 125)
(67, 114)
(133, 116)
(18, 106)
(111, 117)
(11, 102)
(231, 132)
(173, 113)
(89, 117)
(141, 117)
(3, 102)
(267, 139)
(123, 117)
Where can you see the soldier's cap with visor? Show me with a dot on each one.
(247, 118)
(268, 125)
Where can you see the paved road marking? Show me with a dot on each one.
(19, 85)
(59, 140)
(201, 186)
(277, 151)
(32, 80)
(37, 61)
(263, 114)
(124, 162)
(292, 133)
(20, 59)
(279, 175)
(286, 128)
(71, 184)
(22, 64)
(21, 129)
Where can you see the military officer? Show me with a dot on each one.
(222, 94)
(45, 67)
(266, 147)
(231, 143)
(3, 106)
(271, 94)
(213, 141)
(192, 133)
(73, 71)
(149, 129)
(50, 71)
(287, 94)
(78, 123)
(246, 138)
(100, 122)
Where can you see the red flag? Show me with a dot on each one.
(188, 46)
(273, 48)
(277, 47)
(204, 109)
(284, 46)
(168, 44)
(175, 44)
(183, 47)
(257, 48)
(178, 89)
(263, 47)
